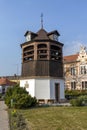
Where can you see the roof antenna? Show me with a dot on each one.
(42, 20)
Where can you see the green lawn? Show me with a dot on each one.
(56, 118)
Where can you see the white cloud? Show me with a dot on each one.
(72, 47)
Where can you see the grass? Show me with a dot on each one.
(56, 118)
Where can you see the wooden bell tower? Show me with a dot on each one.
(42, 65)
(42, 54)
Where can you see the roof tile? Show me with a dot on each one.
(5, 81)
(71, 58)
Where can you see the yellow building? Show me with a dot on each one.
(75, 70)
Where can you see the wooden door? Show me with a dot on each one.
(57, 92)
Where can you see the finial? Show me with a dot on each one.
(41, 20)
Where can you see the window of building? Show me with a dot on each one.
(42, 52)
(84, 85)
(73, 85)
(83, 69)
(42, 46)
(73, 71)
(56, 53)
(28, 53)
(29, 48)
(55, 37)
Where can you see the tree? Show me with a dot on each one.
(18, 97)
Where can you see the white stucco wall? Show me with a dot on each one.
(0, 89)
(31, 88)
(43, 88)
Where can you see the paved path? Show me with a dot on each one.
(4, 121)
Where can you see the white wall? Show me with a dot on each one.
(0, 89)
(42, 90)
(31, 88)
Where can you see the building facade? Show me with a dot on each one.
(42, 65)
(75, 70)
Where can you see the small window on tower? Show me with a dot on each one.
(55, 37)
(28, 37)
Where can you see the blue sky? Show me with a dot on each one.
(69, 17)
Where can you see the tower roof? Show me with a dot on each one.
(54, 32)
(29, 32)
(42, 34)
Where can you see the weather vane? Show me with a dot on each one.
(41, 20)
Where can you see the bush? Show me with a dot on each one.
(25, 101)
(18, 97)
(76, 102)
(83, 99)
(80, 101)
(72, 94)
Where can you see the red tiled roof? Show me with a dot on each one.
(5, 81)
(70, 58)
